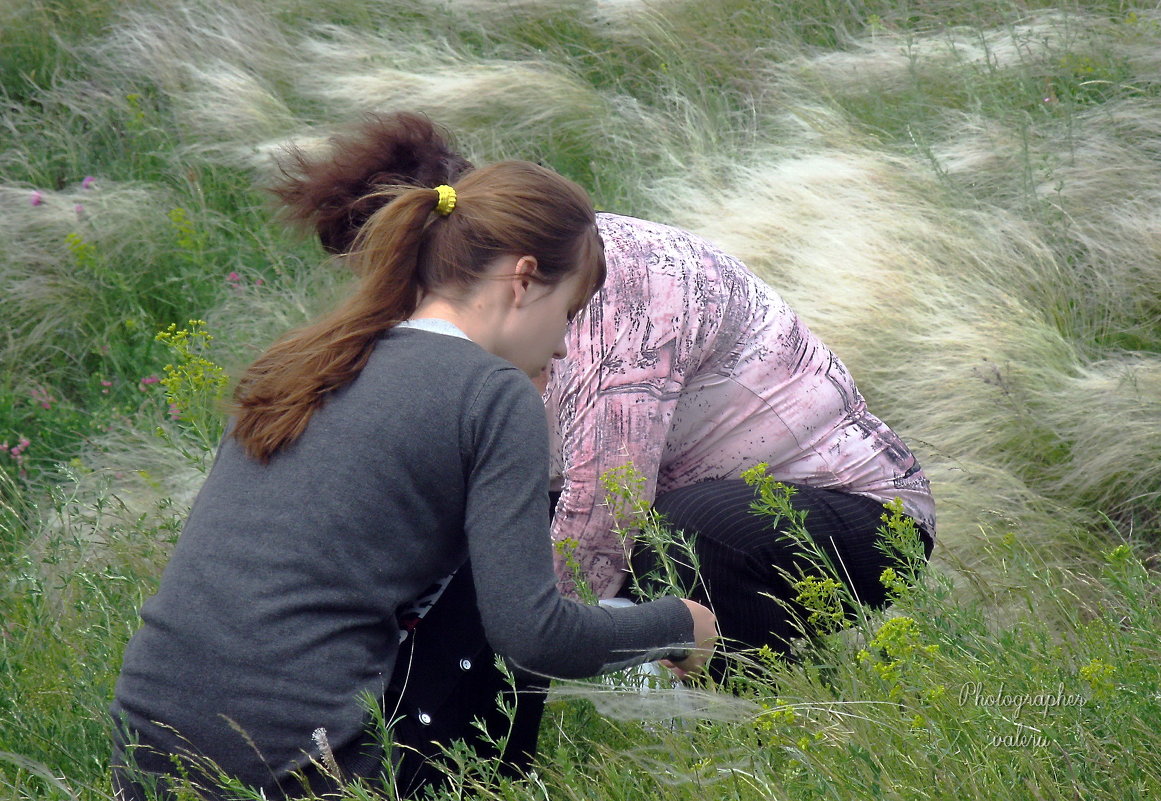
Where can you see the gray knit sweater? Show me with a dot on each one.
(277, 609)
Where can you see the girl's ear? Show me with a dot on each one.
(525, 287)
(526, 265)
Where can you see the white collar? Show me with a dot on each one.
(436, 325)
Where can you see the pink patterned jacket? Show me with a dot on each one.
(691, 368)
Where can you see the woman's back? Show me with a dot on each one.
(694, 369)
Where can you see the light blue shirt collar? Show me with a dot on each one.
(436, 326)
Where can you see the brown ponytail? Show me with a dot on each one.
(404, 249)
(333, 195)
(277, 395)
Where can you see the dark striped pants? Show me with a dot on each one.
(743, 556)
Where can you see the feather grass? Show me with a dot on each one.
(961, 199)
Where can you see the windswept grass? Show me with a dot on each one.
(960, 197)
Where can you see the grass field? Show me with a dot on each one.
(962, 198)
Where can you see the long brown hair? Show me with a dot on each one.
(512, 207)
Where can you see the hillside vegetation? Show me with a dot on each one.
(962, 198)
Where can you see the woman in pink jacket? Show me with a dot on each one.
(691, 369)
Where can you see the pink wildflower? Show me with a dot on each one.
(145, 382)
(79, 209)
(43, 398)
(234, 278)
(87, 183)
(174, 412)
(36, 199)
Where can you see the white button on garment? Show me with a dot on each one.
(425, 718)
(465, 664)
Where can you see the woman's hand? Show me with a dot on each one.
(705, 634)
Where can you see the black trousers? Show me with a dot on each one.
(446, 685)
(744, 559)
(446, 681)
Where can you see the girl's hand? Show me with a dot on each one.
(705, 634)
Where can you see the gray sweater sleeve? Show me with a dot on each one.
(505, 442)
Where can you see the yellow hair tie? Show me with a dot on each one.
(447, 200)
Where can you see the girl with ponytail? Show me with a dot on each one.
(386, 461)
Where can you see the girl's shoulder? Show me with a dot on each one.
(426, 368)
(451, 361)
